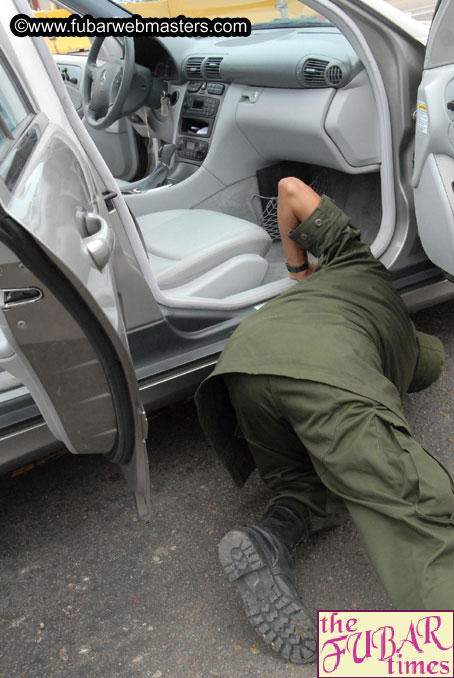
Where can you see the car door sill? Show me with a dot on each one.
(25, 441)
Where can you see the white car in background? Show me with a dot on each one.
(123, 276)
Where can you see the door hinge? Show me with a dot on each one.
(144, 422)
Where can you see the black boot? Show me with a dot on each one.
(257, 558)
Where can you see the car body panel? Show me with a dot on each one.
(63, 333)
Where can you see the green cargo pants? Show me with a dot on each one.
(311, 441)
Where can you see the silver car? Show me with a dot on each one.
(138, 211)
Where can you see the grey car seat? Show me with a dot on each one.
(196, 252)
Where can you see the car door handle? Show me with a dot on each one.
(19, 296)
(99, 244)
(450, 105)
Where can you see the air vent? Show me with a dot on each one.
(334, 75)
(213, 68)
(313, 73)
(194, 68)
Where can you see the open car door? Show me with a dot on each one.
(433, 177)
(62, 347)
(61, 325)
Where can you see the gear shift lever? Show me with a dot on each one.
(157, 177)
(167, 153)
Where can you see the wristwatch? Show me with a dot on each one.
(297, 269)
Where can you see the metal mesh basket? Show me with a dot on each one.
(265, 208)
(268, 218)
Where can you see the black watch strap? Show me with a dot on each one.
(297, 269)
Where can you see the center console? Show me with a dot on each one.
(198, 115)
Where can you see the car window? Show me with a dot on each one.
(264, 14)
(13, 108)
(15, 116)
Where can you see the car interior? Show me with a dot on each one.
(231, 117)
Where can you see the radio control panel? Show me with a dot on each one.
(200, 105)
(198, 114)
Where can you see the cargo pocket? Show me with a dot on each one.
(433, 497)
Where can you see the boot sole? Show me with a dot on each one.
(280, 621)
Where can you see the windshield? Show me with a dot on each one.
(261, 13)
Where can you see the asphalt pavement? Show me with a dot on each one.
(87, 590)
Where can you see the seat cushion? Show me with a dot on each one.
(238, 274)
(183, 244)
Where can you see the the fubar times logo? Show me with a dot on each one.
(367, 644)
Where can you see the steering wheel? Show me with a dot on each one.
(105, 88)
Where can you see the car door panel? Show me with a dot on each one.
(53, 199)
(434, 203)
(69, 357)
(62, 367)
(63, 332)
(433, 176)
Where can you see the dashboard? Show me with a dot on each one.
(294, 94)
(293, 58)
(298, 94)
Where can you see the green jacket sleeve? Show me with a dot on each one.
(329, 235)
